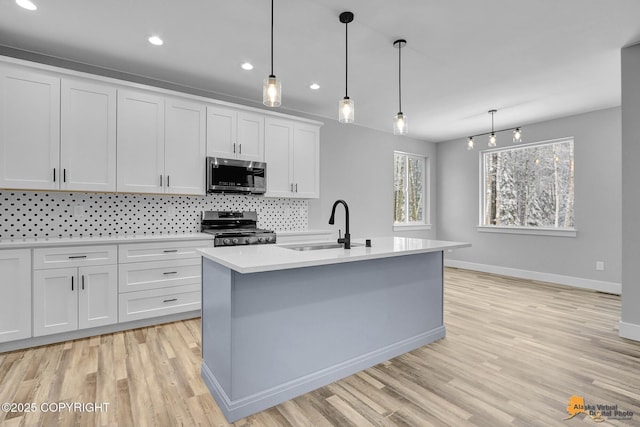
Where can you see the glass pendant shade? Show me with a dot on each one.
(400, 124)
(470, 143)
(492, 140)
(346, 109)
(272, 92)
(517, 135)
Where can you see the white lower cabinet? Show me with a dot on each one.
(15, 288)
(159, 302)
(156, 279)
(74, 296)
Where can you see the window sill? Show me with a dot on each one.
(556, 232)
(411, 227)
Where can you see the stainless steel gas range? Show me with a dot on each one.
(232, 228)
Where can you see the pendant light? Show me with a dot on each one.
(346, 106)
(492, 136)
(517, 134)
(272, 87)
(400, 121)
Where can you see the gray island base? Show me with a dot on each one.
(270, 336)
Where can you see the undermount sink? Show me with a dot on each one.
(316, 246)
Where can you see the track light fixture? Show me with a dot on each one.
(272, 87)
(346, 106)
(400, 121)
(517, 134)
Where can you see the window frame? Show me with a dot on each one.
(425, 224)
(513, 229)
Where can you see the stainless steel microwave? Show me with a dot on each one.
(236, 176)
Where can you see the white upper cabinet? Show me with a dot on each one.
(140, 142)
(88, 136)
(235, 134)
(278, 156)
(29, 129)
(292, 157)
(306, 164)
(161, 144)
(185, 147)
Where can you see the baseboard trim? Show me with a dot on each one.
(234, 410)
(85, 333)
(630, 331)
(577, 282)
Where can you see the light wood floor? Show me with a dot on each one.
(515, 352)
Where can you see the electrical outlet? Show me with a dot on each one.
(600, 265)
(78, 211)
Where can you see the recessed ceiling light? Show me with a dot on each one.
(247, 66)
(314, 86)
(155, 40)
(26, 4)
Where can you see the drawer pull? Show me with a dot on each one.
(171, 272)
(170, 300)
(168, 251)
(78, 257)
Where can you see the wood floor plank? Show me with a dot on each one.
(515, 351)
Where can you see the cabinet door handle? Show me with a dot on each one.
(292, 187)
(167, 180)
(170, 272)
(170, 300)
(240, 145)
(234, 148)
(72, 283)
(296, 187)
(160, 180)
(54, 174)
(78, 257)
(64, 175)
(168, 251)
(83, 282)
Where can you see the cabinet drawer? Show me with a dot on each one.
(158, 302)
(139, 276)
(74, 256)
(135, 252)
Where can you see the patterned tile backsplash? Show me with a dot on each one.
(26, 214)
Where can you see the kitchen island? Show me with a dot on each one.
(279, 322)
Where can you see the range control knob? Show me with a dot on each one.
(235, 241)
(260, 239)
(226, 241)
(269, 238)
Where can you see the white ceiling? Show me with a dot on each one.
(531, 60)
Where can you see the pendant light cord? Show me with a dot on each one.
(272, 38)
(400, 78)
(346, 60)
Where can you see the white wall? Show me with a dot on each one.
(597, 148)
(630, 322)
(356, 164)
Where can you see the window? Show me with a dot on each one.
(530, 186)
(409, 195)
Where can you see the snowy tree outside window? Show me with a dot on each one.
(409, 172)
(529, 186)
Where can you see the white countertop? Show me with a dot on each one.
(101, 240)
(259, 258)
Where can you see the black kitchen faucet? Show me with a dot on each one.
(347, 237)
